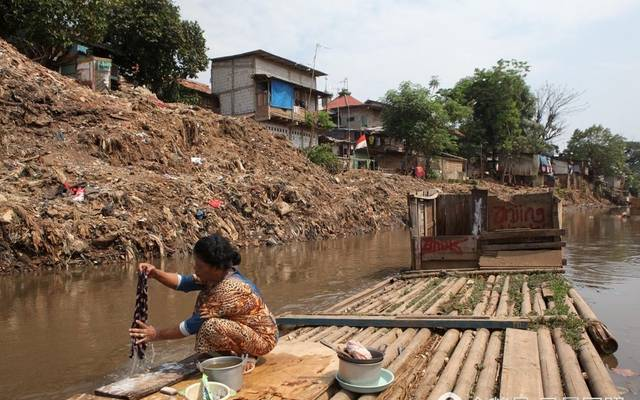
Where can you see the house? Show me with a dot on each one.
(200, 92)
(277, 92)
(91, 65)
(449, 166)
(348, 112)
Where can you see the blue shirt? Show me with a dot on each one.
(188, 283)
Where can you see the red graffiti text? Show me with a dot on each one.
(433, 245)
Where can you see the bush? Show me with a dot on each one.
(323, 156)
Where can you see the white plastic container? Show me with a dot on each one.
(361, 372)
(217, 389)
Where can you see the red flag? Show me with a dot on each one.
(361, 143)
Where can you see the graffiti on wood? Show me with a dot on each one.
(449, 247)
(509, 216)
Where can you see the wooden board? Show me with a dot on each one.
(522, 258)
(521, 376)
(86, 396)
(140, 385)
(521, 233)
(446, 248)
(404, 321)
(453, 214)
(533, 211)
(523, 246)
(290, 371)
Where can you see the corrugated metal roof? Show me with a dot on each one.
(272, 57)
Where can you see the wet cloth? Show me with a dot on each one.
(241, 322)
(141, 313)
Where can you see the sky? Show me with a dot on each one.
(588, 46)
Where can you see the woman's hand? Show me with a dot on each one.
(148, 269)
(144, 334)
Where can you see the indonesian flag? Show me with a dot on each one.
(361, 143)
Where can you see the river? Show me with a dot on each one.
(66, 333)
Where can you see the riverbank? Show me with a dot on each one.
(90, 177)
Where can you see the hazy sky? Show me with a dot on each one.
(590, 46)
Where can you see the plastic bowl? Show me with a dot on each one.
(384, 380)
(222, 391)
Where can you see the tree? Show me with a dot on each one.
(43, 29)
(154, 46)
(604, 150)
(553, 104)
(503, 107)
(632, 153)
(422, 118)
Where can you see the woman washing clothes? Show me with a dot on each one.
(230, 316)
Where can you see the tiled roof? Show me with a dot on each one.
(200, 87)
(343, 101)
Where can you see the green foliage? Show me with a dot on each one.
(422, 118)
(155, 47)
(152, 45)
(320, 119)
(43, 29)
(503, 108)
(632, 153)
(323, 156)
(604, 150)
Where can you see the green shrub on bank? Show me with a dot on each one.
(323, 156)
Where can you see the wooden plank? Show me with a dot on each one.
(143, 384)
(449, 265)
(521, 211)
(521, 233)
(475, 271)
(448, 248)
(413, 321)
(521, 376)
(523, 246)
(453, 213)
(86, 396)
(522, 258)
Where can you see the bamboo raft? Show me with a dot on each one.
(481, 355)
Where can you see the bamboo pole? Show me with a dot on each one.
(394, 349)
(428, 291)
(551, 381)
(309, 333)
(495, 296)
(321, 333)
(360, 295)
(525, 309)
(539, 307)
(385, 340)
(503, 304)
(363, 334)
(418, 342)
(485, 387)
(446, 297)
(469, 371)
(374, 336)
(574, 383)
(403, 299)
(486, 293)
(602, 338)
(450, 372)
(435, 364)
(419, 303)
(599, 380)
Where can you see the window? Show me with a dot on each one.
(363, 120)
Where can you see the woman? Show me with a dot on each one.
(229, 316)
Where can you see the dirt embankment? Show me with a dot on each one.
(89, 177)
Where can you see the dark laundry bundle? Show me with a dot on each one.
(140, 314)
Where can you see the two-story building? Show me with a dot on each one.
(277, 92)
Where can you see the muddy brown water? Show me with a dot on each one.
(67, 333)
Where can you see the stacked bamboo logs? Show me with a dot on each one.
(428, 363)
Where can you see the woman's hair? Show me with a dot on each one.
(216, 251)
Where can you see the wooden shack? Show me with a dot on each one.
(475, 230)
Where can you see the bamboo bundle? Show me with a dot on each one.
(395, 348)
(599, 380)
(446, 296)
(486, 293)
(426, 297)
(599, 333)
(485, 387)
(469, 371)
(495, 296)
(574, 383)
(450, 373)
(394, 305)
(428, 380)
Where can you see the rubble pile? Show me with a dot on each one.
(89, 177)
